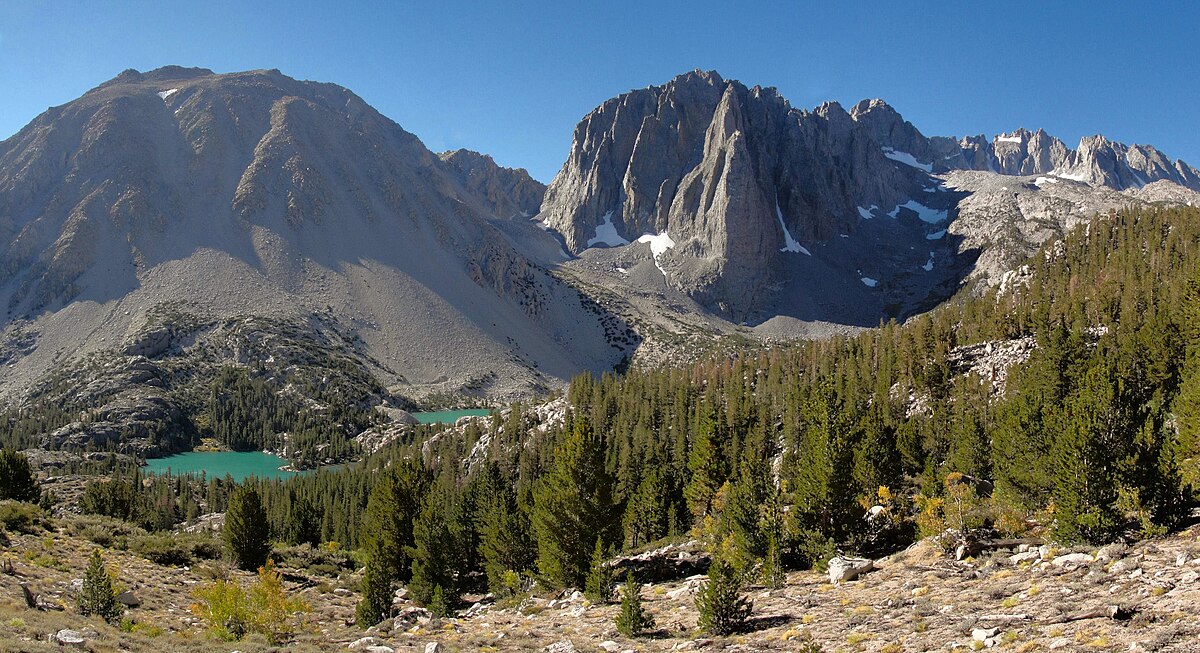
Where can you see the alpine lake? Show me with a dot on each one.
(243, 464)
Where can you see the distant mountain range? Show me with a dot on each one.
(684, 212)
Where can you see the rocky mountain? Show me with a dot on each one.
(256, 196)
(506, 192)
(757, 210)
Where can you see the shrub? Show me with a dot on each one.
(722, 609)
(232, 611)
(633, 619)
(108, 532)
(175, 550)
(22, 517)
(99, 594)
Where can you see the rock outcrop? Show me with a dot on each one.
(728, 184)
(506, 192)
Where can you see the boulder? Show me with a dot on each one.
(433, 647)
(610, 646)
(843, 569)
(67, 637)
(1072, 560)
(361, 644)
(128, 599)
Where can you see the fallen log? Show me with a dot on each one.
(1116, 613)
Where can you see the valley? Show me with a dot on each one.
(733, 345)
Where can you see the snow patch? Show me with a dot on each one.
(606, 234)
(1068, 175)
(866, 213)
(937, 235)
(926, 214)
(658, 245)
(1042, 181)
(166, 94)
(789, 244)
(869, 282)
(1004, 138)
(907, 159)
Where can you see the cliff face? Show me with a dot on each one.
(728, 184)
(734, 176)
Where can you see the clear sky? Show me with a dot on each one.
(512, 78)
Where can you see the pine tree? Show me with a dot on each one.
(247, 531)
(1095, 435)
(633, 620)
(98, 597)
(826, 494)
(387, 523)
(16, 477)
(573, 505)
(304, 522)
(600, 583)
(707, 464)
(504, 540)
(376, 589)
(722, 609)
(434, 563)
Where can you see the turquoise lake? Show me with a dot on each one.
(449, 416)
(238, 464)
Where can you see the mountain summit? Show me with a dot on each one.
(254, 194)
(754, 208)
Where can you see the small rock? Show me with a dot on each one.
(1110, 552)
(1122, 566)
(128, 599)
(433, 647)
(1044, 551)
(1026, 556)
(342, 591)
(379, 648)
(1060, 643)
(1189, 577)
(564, 646)
(576, 596)
(1181, 559)
(364, 643)
(1072, 559)
(843, 569)
(66, 637)
(982, 634)
(610, 646)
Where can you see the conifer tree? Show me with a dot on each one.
(98, 597)
(392, 507)
(304, 522)
(707, 464)
(826, 494)
(504, 539)
(633, 620)
(247, 531)
(16, 477)
(434, 563)
(719, 602)
(1095, 433)
(573, 506)
(600, 584)
(376, 589)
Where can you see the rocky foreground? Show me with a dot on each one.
(1117, 598)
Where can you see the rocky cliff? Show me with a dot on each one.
(729, 190)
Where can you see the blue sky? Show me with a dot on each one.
(513, 78)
